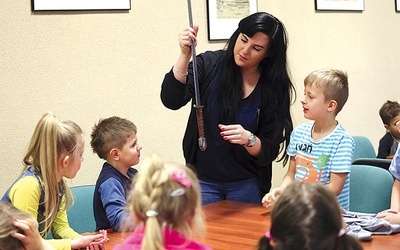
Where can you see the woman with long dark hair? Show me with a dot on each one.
(246, 93)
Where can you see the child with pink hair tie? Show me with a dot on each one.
(165, 202)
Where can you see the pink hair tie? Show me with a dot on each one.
(268, 235)
(180, 176)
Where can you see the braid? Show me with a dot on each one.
(149, 189)
(154, 202)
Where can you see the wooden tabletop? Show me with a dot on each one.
(237, 225)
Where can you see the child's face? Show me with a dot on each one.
(74, 162)
(129, 155)
(314, 104)
(394, 127)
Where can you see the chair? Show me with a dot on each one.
(80, 215)
(364, 148)
(364, 154)
(376, 162)
(370, 189)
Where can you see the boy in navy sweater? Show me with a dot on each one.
(114, 140)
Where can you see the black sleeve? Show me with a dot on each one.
(385, 143)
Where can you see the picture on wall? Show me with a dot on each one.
(397, 3)
(339, 4)
(48, 5)
(224, 16)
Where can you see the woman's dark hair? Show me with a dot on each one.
(275, 75)
(307, 217)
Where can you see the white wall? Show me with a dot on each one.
(89, 65)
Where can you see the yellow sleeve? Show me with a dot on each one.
(60, 244)
(60, 226)
(25, 195)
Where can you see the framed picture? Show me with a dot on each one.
(339, 4)
(224, 16)
(397, 3)
(46, 5)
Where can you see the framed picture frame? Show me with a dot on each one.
(339, 5)
(397, 4)
(51, 5)
(224, 16)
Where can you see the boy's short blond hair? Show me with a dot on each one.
(334, 83)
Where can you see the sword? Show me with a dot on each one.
(197, 104)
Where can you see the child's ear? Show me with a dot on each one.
(332, 105)
(114, 154)
(386, 126)
(64, 161)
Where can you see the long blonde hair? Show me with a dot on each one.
(52, 138)
(171, 205)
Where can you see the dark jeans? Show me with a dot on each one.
(244, 191)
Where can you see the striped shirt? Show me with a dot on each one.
(315, 160)
(395, 164)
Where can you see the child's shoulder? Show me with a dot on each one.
(27, 181)
(106, 172)
(343, 137)
(387, 136)
(25, 186)
(110, 173)
(343, 131)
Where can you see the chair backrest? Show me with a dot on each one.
(364, 148)
(376, 162)
(370, 189)
(80, 215)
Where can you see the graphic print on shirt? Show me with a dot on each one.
(305, 170)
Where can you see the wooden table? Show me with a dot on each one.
(237, 225)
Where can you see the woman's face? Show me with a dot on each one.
(249, 51)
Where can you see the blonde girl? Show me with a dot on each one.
(165, 201)
(54, 152)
